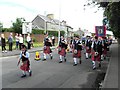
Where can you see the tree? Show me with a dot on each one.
(112, 12)
(1, 27)
(17, 25)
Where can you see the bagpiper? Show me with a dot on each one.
(96, 52)
(88, 44)
(47, 49)
(71, 44)
(24, 57)
(77, 50)
(62, 49)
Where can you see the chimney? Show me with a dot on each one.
(51, 16)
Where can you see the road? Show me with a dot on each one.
(50, 73)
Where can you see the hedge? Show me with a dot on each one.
(55, 33)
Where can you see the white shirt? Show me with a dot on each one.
(28, 38)
(20, 39)
(17, 38)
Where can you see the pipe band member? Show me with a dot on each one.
(62, 49)
(24, 57)
(105, 45)
(88, 44)
(96, 52)
(47, 49)
(77, 51)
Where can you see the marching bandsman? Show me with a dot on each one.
(71, 44)
(62, 49)
(24, 57)
(105, 45)
(88, 44)
(47, 49)
(77, 51)
(96, 52)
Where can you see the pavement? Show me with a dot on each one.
(111, 77)
(17, 52)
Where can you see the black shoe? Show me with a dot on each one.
(65, 59)
(23, 76)
(94, 68)
(105, 58)
(86, 58)
(99, 65)
(51, 57)
(60, 62)
(80, 61)
(44, 59)
(74, 64)
(30, 73)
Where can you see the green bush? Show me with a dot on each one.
(37, 31)
(55, 33)
(7, 30)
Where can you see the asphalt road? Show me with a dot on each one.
(50, 73)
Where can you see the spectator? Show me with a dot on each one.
(17, 40)
(20, 41)
(28, 41)
(53, 40)
(3, 43)
(10, 42)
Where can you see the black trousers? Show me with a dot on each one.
(20, 45)
(3, 48)
(29, 45)
(10, 46)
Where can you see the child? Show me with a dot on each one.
(24, 57)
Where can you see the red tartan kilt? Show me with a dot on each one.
(105, 51)
(25, 66)
(88, 50)
(47, 50)
(78, 55)
(97, 58)
(62, 52)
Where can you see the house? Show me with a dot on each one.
(49, 23)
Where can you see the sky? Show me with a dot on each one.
(72, 11)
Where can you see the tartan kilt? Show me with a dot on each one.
(25, 66)
(104, 51)
(78, 55)
(95, 58)
(88, 50)
(62, 52)
(47, 50)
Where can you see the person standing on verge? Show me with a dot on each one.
(3, 43)
(10, 41)
(20, 41)
(17, 40)
(28, 41)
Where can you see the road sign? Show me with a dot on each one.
(100, 31)
(26, 27)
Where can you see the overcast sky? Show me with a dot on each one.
(69, 10)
